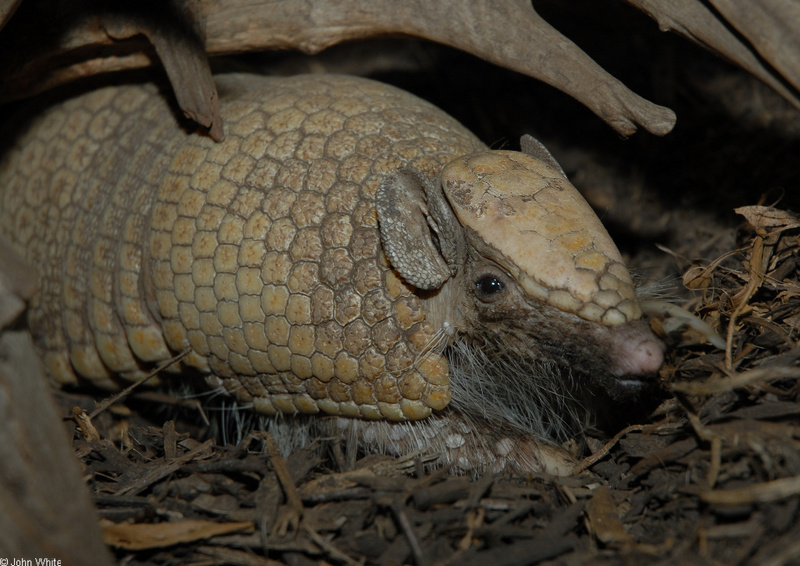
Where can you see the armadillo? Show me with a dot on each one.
(349, 251)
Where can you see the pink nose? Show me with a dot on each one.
(638, 355)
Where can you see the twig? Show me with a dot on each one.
(411, 536)
(767, 492)
(716, 447)
(737, 380)
(328, 547)
(106, 403)
(600, 454)
(292, 497)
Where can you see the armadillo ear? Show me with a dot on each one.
(533, 147)
(420, 233)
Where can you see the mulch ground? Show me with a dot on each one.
(712, 476)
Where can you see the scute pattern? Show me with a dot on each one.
(260, 254)
(558, 247)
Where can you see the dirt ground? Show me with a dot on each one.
(711, 476)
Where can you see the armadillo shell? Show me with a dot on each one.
(259, 256)
(543, 232)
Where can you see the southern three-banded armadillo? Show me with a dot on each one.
(348, 250)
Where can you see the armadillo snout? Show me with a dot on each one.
(638, 356)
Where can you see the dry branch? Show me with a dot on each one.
(51, 43)
(771, 26)
(45, 510)
(7, 9)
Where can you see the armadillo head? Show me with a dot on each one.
(516, 261)
(540, 229)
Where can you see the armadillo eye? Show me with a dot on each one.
(489, 287)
